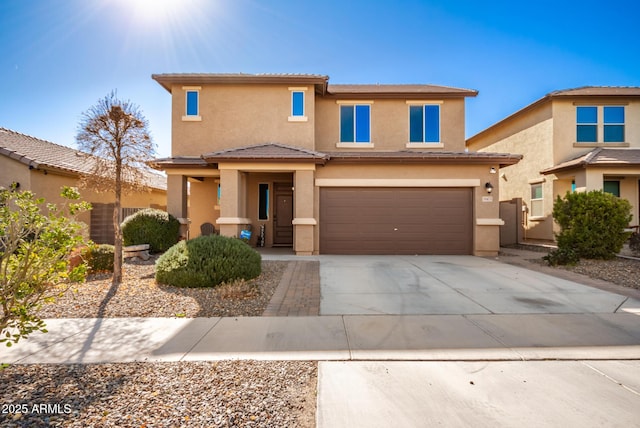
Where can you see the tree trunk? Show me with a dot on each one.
(117, 244)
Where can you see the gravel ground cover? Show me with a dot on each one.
(183, 394)
(625, 272)
(620, 271)
(140, 296)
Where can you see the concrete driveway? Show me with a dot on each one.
(462, 285)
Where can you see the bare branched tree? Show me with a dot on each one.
(116, 133)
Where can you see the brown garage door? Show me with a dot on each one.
(396, 221)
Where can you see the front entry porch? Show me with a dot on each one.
(274, 202)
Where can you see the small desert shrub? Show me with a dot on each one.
(150, 226)
(207, 261)
(562, 256)
(238, 289)
(592, 223)
(100, 258)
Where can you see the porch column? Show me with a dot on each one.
(594, 180)
(303, 221)
(232, 202)
(177, 201)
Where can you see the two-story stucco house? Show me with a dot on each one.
(330, 169)
(572, 140)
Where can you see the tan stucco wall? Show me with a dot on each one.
(12, 171)
(206, 208)
(532, 137)
(240, 115)
(390, 125)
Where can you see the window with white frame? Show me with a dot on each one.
(424, 123)
(297, 103)
(536, 200)
(600, 124)
(355, 123)
(298, 113)
(192, 103)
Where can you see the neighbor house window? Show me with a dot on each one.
(613, 124)
(355, 123)
(263, 201)
(424, 123)
(600, 124)
(587, 120)
(611, 186)
(192, 103)
(536, 200)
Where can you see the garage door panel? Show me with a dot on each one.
(395, 221)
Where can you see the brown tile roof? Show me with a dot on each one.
(179, 162)
(267, 151)
(400, 90)
(599, 157)
(276, 152)
(426, 157)
(617, 91)
(319, 80)
(42, 154)
(166, 80)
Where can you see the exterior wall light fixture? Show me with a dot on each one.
(488, 187)
(492, 170)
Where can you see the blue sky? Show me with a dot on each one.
(58, 57)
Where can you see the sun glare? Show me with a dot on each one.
(158, 11)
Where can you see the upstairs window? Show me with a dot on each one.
(424, 123)
(192, 103)
(355, 123)
(297, 103)
(613, 124)
(587, 120)
(298, 112)
(600, 124)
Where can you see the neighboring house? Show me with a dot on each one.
(330, 169)
(44, 168)
(579, 139)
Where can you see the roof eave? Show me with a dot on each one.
(436, 159)
(168, 80)
(219, 159)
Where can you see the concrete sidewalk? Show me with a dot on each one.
(512, 337)
(524, 394)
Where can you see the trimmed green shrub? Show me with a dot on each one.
(150, 226)
(207, 261)
(100, 258)
(592, 223)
